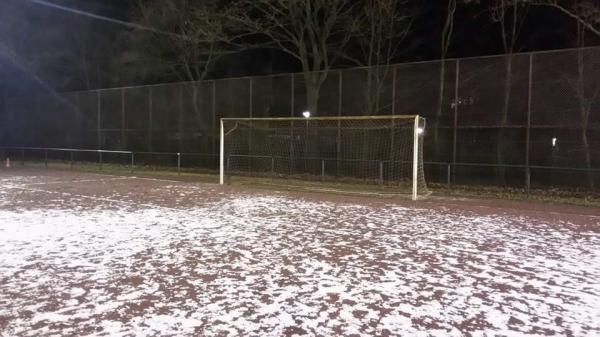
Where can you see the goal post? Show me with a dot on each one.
(372, 154)
(415, 159)
(222, 154)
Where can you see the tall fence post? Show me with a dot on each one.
(98, 120)
(123, 138)
(132, 164)
(178, 163)
(150, 117)
(180, 121)
(214, 116)
(394, 74)
(448, 176)
(338, 139)
(381, 173)
(455, 131)
(250, 114)
(292, 103)
(528, 180)
(528, 134)
(273, 165)
(323, 169)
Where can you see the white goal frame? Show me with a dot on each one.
(416, 135)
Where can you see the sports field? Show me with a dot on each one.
(84, 254)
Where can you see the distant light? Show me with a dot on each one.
(420, 131)
(306, 114)
(554, 141)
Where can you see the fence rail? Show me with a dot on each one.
(209, 162)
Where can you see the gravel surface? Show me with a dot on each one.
(87, 254)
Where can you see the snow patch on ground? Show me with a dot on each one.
(256, 265)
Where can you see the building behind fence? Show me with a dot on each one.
(495, 120)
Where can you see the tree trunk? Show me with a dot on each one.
(195, 103)
(585, 104)
(313, 90)
(196, 106)
(588, 156)
(370, 95)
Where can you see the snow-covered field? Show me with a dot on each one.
(84, 254)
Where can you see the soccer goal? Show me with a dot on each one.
(370, 154)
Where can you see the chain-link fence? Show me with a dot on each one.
(527, 119)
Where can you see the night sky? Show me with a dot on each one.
(475, 35)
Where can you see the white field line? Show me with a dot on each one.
(440, 202)
(74, 181)
(168, 180)
(443, 201)
(331, 190)
(67, 194)
(129, 203)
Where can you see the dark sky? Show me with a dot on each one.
(474, 35)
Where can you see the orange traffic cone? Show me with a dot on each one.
(7, 162)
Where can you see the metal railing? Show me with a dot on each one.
(209, 161)
(21, 155)
(451, 169)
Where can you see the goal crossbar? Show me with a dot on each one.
(340, 118)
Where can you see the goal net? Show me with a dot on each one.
(378, 154)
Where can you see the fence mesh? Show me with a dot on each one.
(505, 116)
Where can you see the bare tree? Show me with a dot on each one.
(445, 41)
(199, 34)
(587, 92)
(314, 32)
(381, 27)
(90, 54)
(510, 15)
